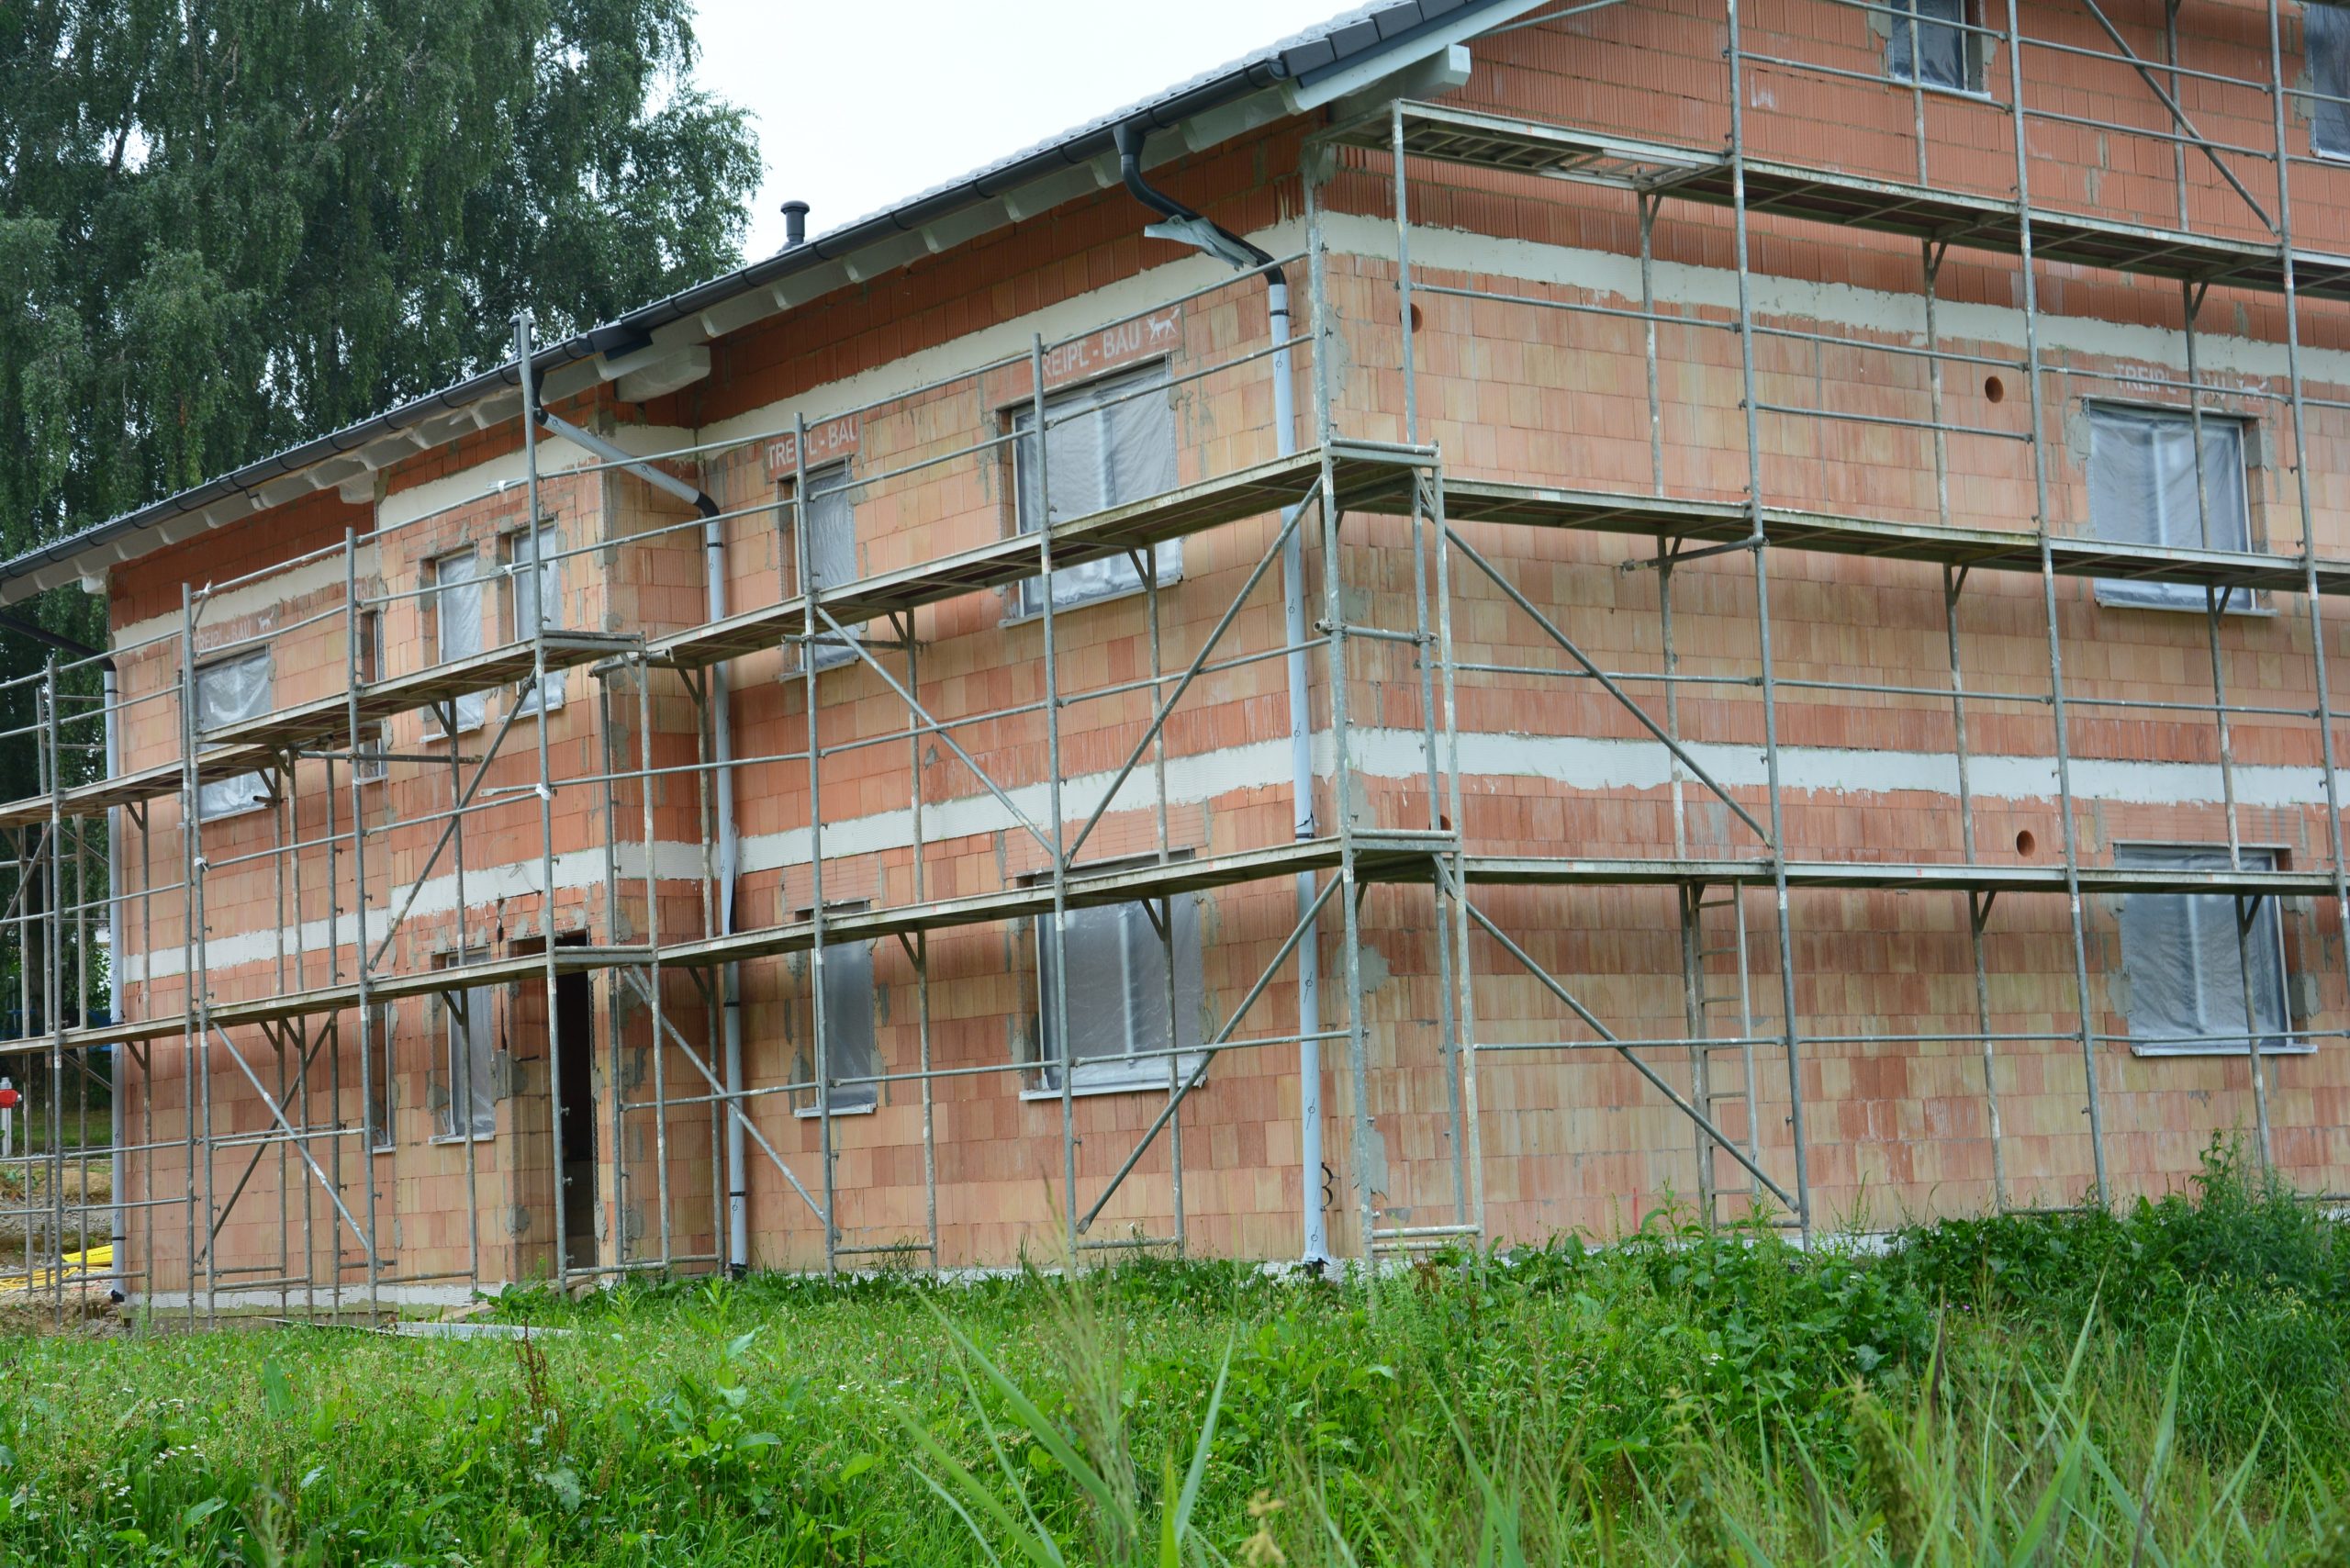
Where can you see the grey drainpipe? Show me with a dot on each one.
(1187, 227)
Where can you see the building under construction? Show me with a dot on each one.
(1501, 614)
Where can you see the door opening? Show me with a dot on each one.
(575, 1034)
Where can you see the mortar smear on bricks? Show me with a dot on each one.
(1497, 615)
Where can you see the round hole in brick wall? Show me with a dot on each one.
(1415, 317)
(2026, 843)
(1994, 389)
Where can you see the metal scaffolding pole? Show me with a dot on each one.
(2045, 527)
(1778, 843)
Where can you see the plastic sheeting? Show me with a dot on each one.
(1103, 447)
(2185, 970)
(226, 693)
(832, 549)
(1942, 56)
(473, 1043)
(2143, 490)
(535, 593)
(848, 1026)
(2325, 33)
(383, 1023)
(457, 632)
(1117, 993)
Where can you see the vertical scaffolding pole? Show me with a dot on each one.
(196, 972)
(1762, 623)
(1422, 505)
(523, 348)
(1056, 1003)
(52, 981)
(361, 964)
(653, 942)
(805, 550)
(2043, 524)
(918, 951)
(1163, 915)
(1341, 772)
(2215, 609)
(2302, 486)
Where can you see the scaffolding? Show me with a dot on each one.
(665, 949)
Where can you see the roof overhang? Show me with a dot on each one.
(1401, 48)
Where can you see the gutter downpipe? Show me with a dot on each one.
(1188, 227)
(714, 550)
(722, 742)
(118, 1229)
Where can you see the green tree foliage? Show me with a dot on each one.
(227, 226)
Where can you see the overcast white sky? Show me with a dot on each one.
(860, 104)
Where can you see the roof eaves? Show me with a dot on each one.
(1338, 43)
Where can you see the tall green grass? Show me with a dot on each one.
(2168, 1384)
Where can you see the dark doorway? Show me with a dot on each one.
(575, 1011)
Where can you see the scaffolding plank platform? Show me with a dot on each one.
(1368, 476)
(1703, 522)
(1385, 856)
(327, 717)
(1853, 201)
(519, 967)
(1952, 877)
(253, 745)
(1380, 856)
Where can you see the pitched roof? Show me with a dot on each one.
(1378, 36)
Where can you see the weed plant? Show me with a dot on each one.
(2164, 1384)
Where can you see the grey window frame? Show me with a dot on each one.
(2223, 993)
(2133, 594)
(1097, 396)
(1102, 1072)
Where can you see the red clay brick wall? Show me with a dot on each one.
(1551, 765)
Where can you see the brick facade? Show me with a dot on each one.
(1550, 764)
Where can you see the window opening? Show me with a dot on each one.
(2185, 970)
(1106, 443)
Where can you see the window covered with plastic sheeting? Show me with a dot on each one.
(381, 1022)
(1106, 443)
(2145, 487)
(849, 1049)
(457, 632)
(2325, 39)
(1118, 995)
(832, 551)
(471, 1030)
(535, 586)
(226, 693)
(1930, 46)
(2185, 967)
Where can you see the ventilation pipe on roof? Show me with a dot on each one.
(1182, 225)
(722, 728)
(795, 225)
